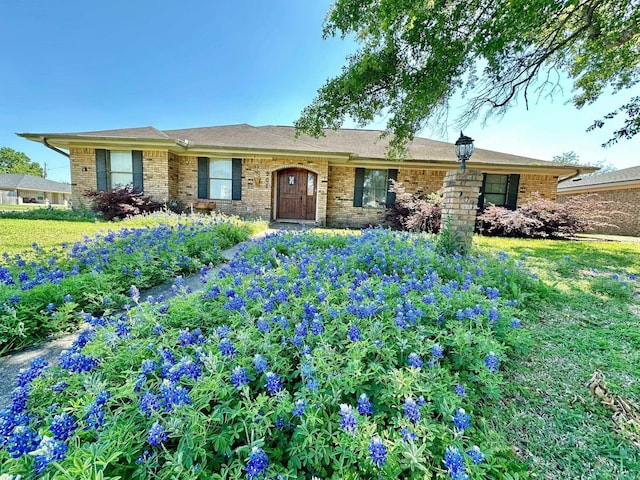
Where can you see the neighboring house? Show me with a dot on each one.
(19, 188)
(340, 179)
(621, 187)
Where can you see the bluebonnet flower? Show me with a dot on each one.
(257, 464)
(67, 298)
(19, 397)
(158, 329)
(274, 383)
(515, 323)
(21, 441)
(62, 426)
(461, 420)
(347, 419)
(77, 362)
(437, 351)
(408, 434)
(262, 325)
(259, 363)
(317, 326)
(148, 403)
(172, 395)
(411, 410)
(460, 390)
(378, 452)
(148, 366)
(364, 405)
(239, 377)
(36, 367)
(157, 435)
(48, 451)
(60, 386)
(492, 362)
(476, 455)
(50, 307)
(146, 456)
(354, 333)
(454, 462)
(493, 314)
(414, 360)
(223, 331)
(227, 348)
(298, 408)
(492, 293)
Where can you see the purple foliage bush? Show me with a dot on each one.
(121, 202)
(415, 212)
(542, 218)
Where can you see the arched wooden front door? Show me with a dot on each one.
(297, 194)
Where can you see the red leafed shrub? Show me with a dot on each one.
(121, 202)
(541, 218)
(415, 212)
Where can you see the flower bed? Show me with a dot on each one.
(367, 356)
(41, 291)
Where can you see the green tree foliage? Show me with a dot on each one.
(415, 55)
(572, 158)
(12, 161)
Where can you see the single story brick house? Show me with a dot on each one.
(621, 187)
(340, 179)
(19, 188)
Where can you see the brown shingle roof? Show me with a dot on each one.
(22, 181)
(603, 180)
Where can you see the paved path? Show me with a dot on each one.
(10, 365)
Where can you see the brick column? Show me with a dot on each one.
(459, 206)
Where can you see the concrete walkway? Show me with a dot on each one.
(11, 364)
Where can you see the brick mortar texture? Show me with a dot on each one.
(626, 201)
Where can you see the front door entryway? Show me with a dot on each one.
(296, 194)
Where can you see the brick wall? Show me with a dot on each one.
(545, 185)
(340, 209)
(83, 173)
(173, 176)
(460, 204)
(155, 168)
(626, 201)
(258, 182)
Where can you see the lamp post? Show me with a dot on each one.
(464, 149)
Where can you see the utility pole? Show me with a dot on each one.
(45, 169)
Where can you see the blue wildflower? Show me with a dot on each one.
(411, 410)
(364, 405)
(67, 298)
(21, 441)
(347, 419)
(62, 426)
(492, 362)
(227, 348)
(515, 323)
(354, 333)
(408, 434)
(274, 383)
(298, 408)
(239, 377)
(493, 314)
(148, 366)
(19, 397)
(437, 351)
(134, 293)
(461, 420)
(454, 462)
(378, 452)
(460, 390)
(157, 435)
(476, 455)
(263, 325)
(257, 464)
(259, 363)
(414, 360)
(148, 403)
(48, 451)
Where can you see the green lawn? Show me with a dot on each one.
(587, 320)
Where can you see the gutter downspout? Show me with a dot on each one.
(55, 149)
(573, 175)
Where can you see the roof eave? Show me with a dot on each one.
(68, 141)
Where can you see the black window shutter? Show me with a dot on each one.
(136, 163)
(392, 174)
(358, 189)
(203, 177)
(236, 179)
(512, 191)
(101, 170)
(482, 189)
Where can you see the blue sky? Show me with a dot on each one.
(74, 65)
